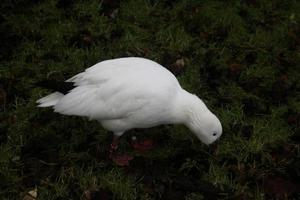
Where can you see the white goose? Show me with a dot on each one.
(133, 92)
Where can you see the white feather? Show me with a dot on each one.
(50, 100)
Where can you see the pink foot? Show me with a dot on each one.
(120, 160)
(112, 150)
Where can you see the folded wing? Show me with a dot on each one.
(116, 88)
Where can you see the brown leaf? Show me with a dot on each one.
(294, 36)
(204, 35)
(293, 119)
(87, 38)
(235, 68)
(177, 67)
(31, 195)
(283, 78)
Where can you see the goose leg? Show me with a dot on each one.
(121, 160)
(113, 146)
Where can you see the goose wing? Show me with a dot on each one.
(116, 88)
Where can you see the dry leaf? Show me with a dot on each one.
(31, 195)
(235, 68)
(178, 66)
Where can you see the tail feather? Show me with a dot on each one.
(50, 100)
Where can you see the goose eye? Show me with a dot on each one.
(214, 134)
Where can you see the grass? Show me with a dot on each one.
(241, 57)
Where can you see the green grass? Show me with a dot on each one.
(241, 57)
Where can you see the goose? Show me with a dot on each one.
(133, 92)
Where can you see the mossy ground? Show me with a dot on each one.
(241, 57)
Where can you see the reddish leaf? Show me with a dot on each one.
(122, 160)
(143, 146)
(283, 78)
(292, 119)
(279, 187)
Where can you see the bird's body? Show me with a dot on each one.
(133, 92)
